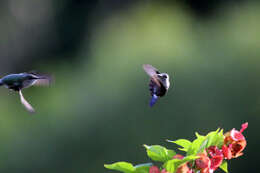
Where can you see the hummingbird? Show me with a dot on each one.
(159, 83)
(17, 82)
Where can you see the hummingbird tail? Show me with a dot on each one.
(25, 103)
(1, 83)
(153, 100)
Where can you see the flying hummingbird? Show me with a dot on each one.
(19, 81)
(159, 83)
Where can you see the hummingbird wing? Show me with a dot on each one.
(40, 79)
(43, 80)
(25, 103)
(152, 72)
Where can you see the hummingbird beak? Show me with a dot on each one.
(25, 103)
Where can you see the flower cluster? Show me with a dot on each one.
(234, 143)
(203, 155)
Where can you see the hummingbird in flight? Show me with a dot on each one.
(159, 83)
(18, 82)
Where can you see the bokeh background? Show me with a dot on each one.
(97, 110)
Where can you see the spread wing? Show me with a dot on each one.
(25, 103)
(43, 80)
(152, 72)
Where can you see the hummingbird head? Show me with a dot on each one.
(165, 79)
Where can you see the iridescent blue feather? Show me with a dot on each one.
(153, 100)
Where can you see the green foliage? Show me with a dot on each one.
(121, 166)
(224, 166)
(159, 153)
(128, 167)
(196, 145)
(183, 143)
(172, 165)
(172, 161)
(215, 138)
(143, 168)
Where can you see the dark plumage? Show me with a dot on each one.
(17, 82)
(159, 83)
(155, 89)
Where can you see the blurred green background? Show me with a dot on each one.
(97, 110)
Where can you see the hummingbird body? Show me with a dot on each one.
(159, 83)
(17, 82)
(157, 90)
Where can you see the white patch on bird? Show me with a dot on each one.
(165, 79)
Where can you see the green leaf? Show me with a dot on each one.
(143, 168)
(215, 138)
(170, 165)
(195, 147)
(189, 158)
(203, 146)
(183, 143)
(173, 164)
(121, 166)
(198, 135)
(159, 153)
(220, 139)
(224, 166)
(211, 138)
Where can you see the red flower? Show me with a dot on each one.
(154, 169)
(234, 142)
(227, 151)
(184, 168)
(216, 157)
(203, 163)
